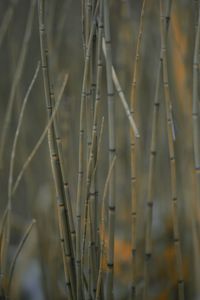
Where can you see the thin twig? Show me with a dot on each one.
(19, 249)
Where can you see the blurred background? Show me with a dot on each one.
(39, 271)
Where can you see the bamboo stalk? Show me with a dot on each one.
(96, 113)
(81, 157)
(92, 178)
(196, 5)
(66, 262)
(195, 107)
(151, 172)
(174, 199)
(92, 168)
(83, 25)
(64, 231)
(90, 100)
(122, 98)
(196, 140)
(87, 212)
(65, 191)
(133, 135)
(150, 190)
(71, 218)
(17, 77)
(94, 143)
(100, 273)
(112, 153)
(91, 162)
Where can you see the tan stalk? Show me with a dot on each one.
(174, 199)
(81, 158)
(64, 231)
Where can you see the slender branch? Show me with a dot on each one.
(19, 249)
(17, 77)
(41, 139)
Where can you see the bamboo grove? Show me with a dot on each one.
(99, 149)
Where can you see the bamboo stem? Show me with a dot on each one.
(195, 101)
(133, 102)
(64, 231)
(103, 227)
(151, 173)
(196, 132)
(112, 151)
(81, 158)
(93, 149)
(174, 199)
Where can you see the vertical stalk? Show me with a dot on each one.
(103, 213)
(196, 131)
(68, 200)
(151, 172)
(195, 108)
(90, 204)
(170, 133)
(133, 151)
(65, 238)
(112, 151)
(81, 158)
(90, 100)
